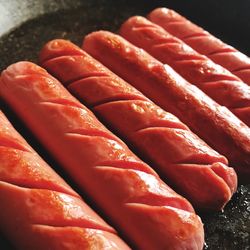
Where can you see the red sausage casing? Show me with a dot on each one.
(217, 82)
(189, 164)
(147, 212)
(203, 42)
(38, 210)
(212, 122)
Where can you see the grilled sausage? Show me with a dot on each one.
(191, 166)
(212, 122)
(38, 210)
(129, 192)
(217, 82)
(203, 42)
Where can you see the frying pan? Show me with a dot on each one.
(25, 25)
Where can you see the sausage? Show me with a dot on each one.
(217, 82)
(203, 42)
(191, 166)
(213, 123)
(38, 210)
(146, 211)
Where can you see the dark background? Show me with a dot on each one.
(25, 25)
(227, 19)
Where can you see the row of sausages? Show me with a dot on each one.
(146, 106)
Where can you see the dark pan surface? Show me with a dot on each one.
(26, 25)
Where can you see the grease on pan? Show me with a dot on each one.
(224, 230)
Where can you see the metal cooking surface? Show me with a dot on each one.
(72, 20)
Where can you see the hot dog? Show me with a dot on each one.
(212, 122)
(38, 210)
(192, 167)
(203, 42)
(217, 82)
(148, 213)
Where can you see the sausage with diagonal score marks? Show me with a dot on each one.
(203, 42)
(215, 124)
(38, 210)
(217, 82)
(189, 164)
(147, 212)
